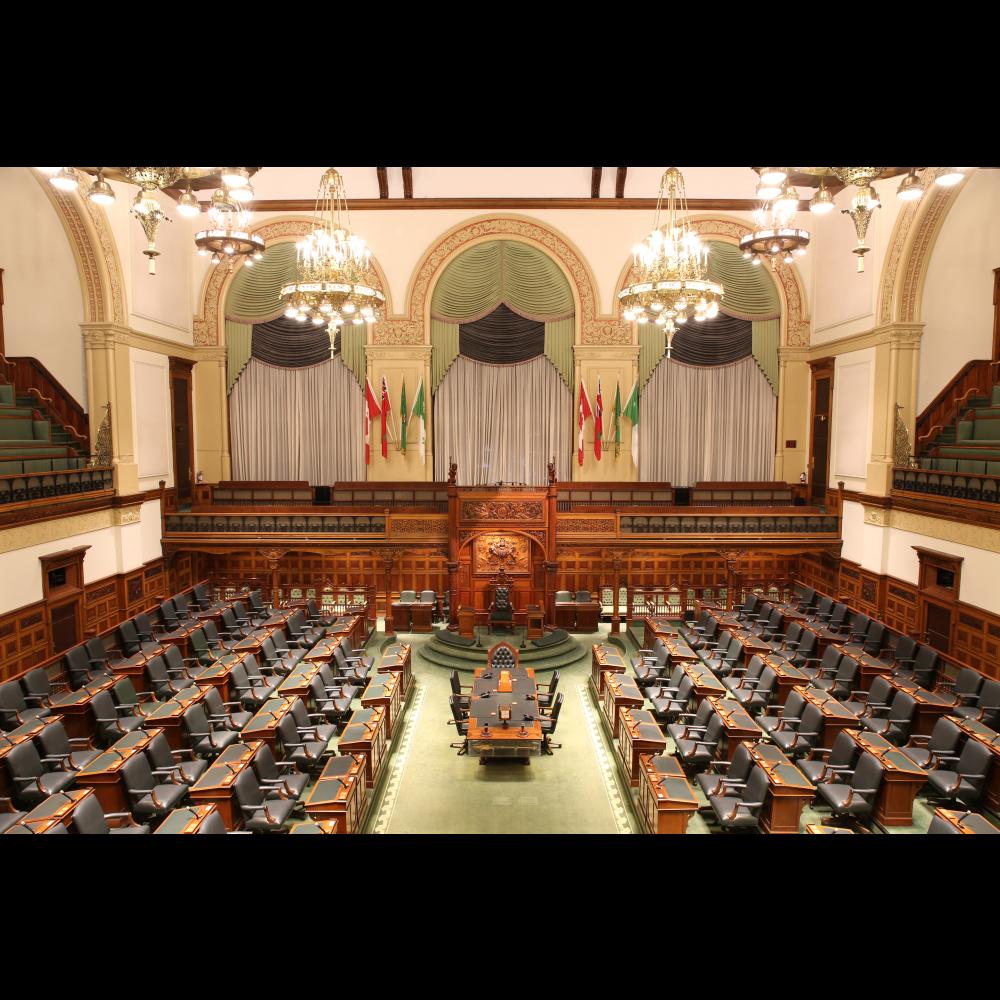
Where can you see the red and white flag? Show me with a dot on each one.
(386, 409)
(598, 421)
(585, 414)
(371, 412)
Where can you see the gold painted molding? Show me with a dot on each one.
(24, 536)
(960, 532)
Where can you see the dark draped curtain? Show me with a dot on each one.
(718, 341)
(291, 344)
(501, 338)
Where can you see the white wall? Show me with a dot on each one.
(851, 420)
(151, 417)
(43, 302)
(958, 292)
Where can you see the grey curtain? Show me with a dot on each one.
(706, 423)
(297, 423)
(502, 423)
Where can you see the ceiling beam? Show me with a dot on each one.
(503, 204)
(595, 182)
(620, 182)
(407, 182)
(383, 182)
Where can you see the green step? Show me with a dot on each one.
(996, 395)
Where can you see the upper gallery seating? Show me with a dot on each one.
(30, 442)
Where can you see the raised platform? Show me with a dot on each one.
(467, 658)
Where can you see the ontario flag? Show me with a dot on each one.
(371, 412)
(585, 414)
(386, 410)
(598, 421)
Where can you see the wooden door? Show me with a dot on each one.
(183, 422)
(819, 440)
(937, 626)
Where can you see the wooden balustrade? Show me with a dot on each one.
(975, 379)
(31, 378)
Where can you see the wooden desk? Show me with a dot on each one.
(706, 684)
(422, 615)
(666, 799)
(314, 826)
(824, 637)
(384, 690)
(103, 773)
(788, 789)
(134, 667)
(535, 623)
(588, 616)
(901, 779)
(74, 707)
(401, 616)
(180, 637)
(736, 723)
(639, 733)
(322, 652)
(296, 684)
(264, 725)
(488, 737)
(339, 793)
(217, 784)
(57, 808)
(217, 675)
(657, 627)
(397, 659)
(252, 642)
(353, 626)
(566, 615)
(966, 822)
(835, 716)
(787, 677)
(466, 622)
(188, 819)
(620, 691)
(169, 715)
(752, 644)
(868, 668)
(605, 658)
(366, 734)
(989, 738)
(931, 705)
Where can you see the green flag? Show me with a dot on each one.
(402, 420)
(419, 410)
(631, 411)
(618, 419)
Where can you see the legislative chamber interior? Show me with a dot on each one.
(500, 500)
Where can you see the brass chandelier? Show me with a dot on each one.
(672, 267)
(229, 237)
(775, 237)
(333, 278)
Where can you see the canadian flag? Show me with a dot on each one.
(598, 421)
(585, 414)
(371, 412)
(386, 408)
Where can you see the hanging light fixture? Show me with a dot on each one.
(228, 236)
(775, 236)
(863, 204)
(946, 176)
(100, 192)
(64, 179)
(333, 282)
(822, 200)
(910, 188)
(188, 204)
(672, 264)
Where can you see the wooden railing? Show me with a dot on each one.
(975, 379)
(31, 378)
(48, 485)
(954, 485)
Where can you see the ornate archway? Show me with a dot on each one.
(795, 325)
(94, 251)
(485, 551)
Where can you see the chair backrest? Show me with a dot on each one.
(846, 672)
(756, 786)
(563, 597)
(267, 649)
(554, 682)
(256, 600)
(124, 692)
(973, 762)
(212, 824)
(103, 706)
(199, 644)
(503, 656)
(137, 775)
(181, 603)
(989, 701)
(210, 631)
(940, 825)
(11, 698)
(143, 623)
(23, 761)
(750, 604)
(556, 708)
(806, 646)
(874, 638)
(54, 740)
(195, 720)
(831, 658)
(213, 702)
(840, 613)
(969, 681)
(867, 775)
(456, 686)
(299, 714)
(794, 704)
(905, 648)
(264, 764)
(156, 671)
(713, 731)
(158, 752)
(843, 750)
(684, 690)
(741, 763)
(407, 596)
(247, 789)
(168, 614)
(129, 636)
(88, 816)
(944, 736)
(812, 722)
(95, 649)
(202, 595)
(860, 622)
(583, 597)
(824, 606)
(903, 707)
(77, 663)
(287, 733)
(768, 678)
(428, 595)
(806, 596)
(173, 657)
(881, 691)
(794, 632)
(755, 667)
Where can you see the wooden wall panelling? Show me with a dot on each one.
(900, 611)
(24, 639)
(976, 639)
(101, 608)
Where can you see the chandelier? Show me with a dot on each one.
(774, 235)
(146, 207)
(228, 237)
(333, 283)
(672, 267)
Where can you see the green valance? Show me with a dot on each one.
(766, 336)
(239, 340)
(520, 276)
(748, 292)
(253, 296)
(352, 349)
